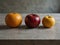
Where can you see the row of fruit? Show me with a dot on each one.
(31, 20)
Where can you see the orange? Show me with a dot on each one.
(13, 19)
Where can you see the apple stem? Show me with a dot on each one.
(48, 15)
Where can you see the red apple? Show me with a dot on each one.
(32, 20)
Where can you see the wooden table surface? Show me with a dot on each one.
(24, 33)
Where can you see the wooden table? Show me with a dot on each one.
(24, 33)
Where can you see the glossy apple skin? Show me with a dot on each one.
(48, 21)
(32, 20)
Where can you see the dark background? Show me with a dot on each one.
(30, 6)
(30, 42)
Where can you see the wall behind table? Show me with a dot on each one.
(29, 6)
